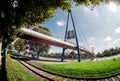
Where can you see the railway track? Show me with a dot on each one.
(49, 76)
(44, 74)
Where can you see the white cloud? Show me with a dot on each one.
(88, 11)
(117, 30)
(108, 39)
(116, 42)
(112, 7)
(60, 23)
(98, 50)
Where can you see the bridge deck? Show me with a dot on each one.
(42, 38)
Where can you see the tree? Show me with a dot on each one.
(11, 47)
(117, 50)
(39, 47)
(99, 54)
(20, 45)
(88, 2)
(107, 53)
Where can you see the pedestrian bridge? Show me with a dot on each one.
(48, 38)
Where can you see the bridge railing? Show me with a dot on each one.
(49, 34)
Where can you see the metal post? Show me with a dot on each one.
(62, 59)
(78, 49)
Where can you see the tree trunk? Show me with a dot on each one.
(3, 66)
(0, 50)
(38, 56)
(3, 59)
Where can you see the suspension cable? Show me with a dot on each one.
(82, 34)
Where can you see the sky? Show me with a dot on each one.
(98, 28)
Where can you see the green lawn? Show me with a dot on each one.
(15, 72)
(99, 68)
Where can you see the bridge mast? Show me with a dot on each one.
(77, 47)
(62, 59)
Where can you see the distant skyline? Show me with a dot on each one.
(100, 26)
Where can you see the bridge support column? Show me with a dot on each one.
(63, 52)
(78, 49)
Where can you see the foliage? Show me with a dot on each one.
(39, 47)
(11, 47)
(88, 2)
(86, 68)
(109, 52)
(67, 56)
(20, 45)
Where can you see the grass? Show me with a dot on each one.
(15, 72)
(86, 69)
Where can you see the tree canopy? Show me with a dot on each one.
(20, 45)
(109, 52)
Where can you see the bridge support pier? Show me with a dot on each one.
(77, 47)
(63, 52)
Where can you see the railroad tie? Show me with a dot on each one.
(119, 76)
(112, 79)
(106, 80)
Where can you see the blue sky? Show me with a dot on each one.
(100, 26)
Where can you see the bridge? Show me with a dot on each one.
(48, 38)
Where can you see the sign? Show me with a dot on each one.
(70, 34)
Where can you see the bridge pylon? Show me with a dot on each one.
(75, 36)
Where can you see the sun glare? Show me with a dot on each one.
(112, 6)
